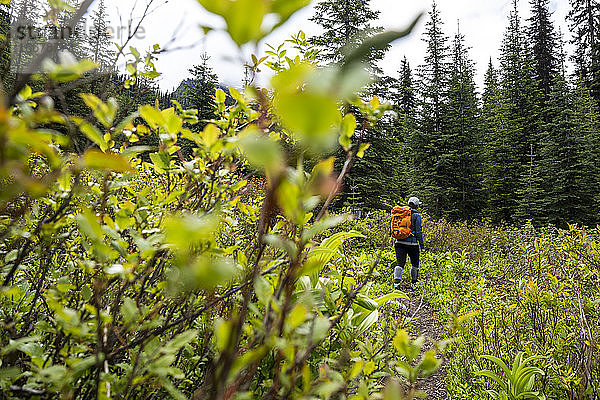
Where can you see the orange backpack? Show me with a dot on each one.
(400, 226)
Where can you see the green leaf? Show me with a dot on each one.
(185, 231)
(429, 364)
(209, 272)
(390, 296)
(104, 112)
(153, 117)
(95, 159)
(281, 243)
(91, 132)
(175, 344)
(244, 18)
(129, 310)
(286, 8)
(296, 317)
(365, 302)
(311, 117)
(368, 322)
(498, 362)
(369, 367)
(161, 161)
(260, 151)
(89, 226)
(220, 96)
(361, 149)
(223, 331)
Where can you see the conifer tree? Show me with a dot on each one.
(433, 94)
(499, 158)
(99, 46)
(458, 164)
(561, 164)
(404, 91)
(523, 98)
(404, 102)
(345, 24)
(543, 37)
(25, 18)
(586, 121)
(71, 40)
(5, 50)
(200, 90)
(584, 18)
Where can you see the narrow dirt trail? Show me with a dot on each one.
(422, 321)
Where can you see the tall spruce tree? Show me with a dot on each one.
(71, 40)
(523, 98)
(543, 37)
(584, 18)
(403, 90)
(200, 90)
(345, 24)
(499, 157)
(458, 163)
(25, 21)
(99, 45)
(404, 103)
(586, 120)
(427, 141)
(562, 166)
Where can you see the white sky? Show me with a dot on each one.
(483, 23)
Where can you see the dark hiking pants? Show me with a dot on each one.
(402, 250)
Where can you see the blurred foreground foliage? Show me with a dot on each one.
(132, 272)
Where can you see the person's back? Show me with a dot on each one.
(410, 246)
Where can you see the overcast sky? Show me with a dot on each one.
(483, 23)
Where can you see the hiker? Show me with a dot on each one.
(406, 228)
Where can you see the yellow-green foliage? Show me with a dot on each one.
(132, 272)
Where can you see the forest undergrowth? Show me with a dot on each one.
(501, 291)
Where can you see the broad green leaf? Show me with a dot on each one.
(152, 116)
(210, 135)
(175, 344)
(129, 310)
(286, 8)
(223, 332)
(320, 328)
(161, 161)
(296, 317)
(244, 18)
(260, 151)
(429, 364)
(92, 133)
(89, 226)
(210, 272)
(369, 367)
(95, 159)
(361, 149)
(390, 296)
(220, 96)
(104, 112)
(183, 232)
(368, 322)
(311, 117)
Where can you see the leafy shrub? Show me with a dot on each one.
(133, 272)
